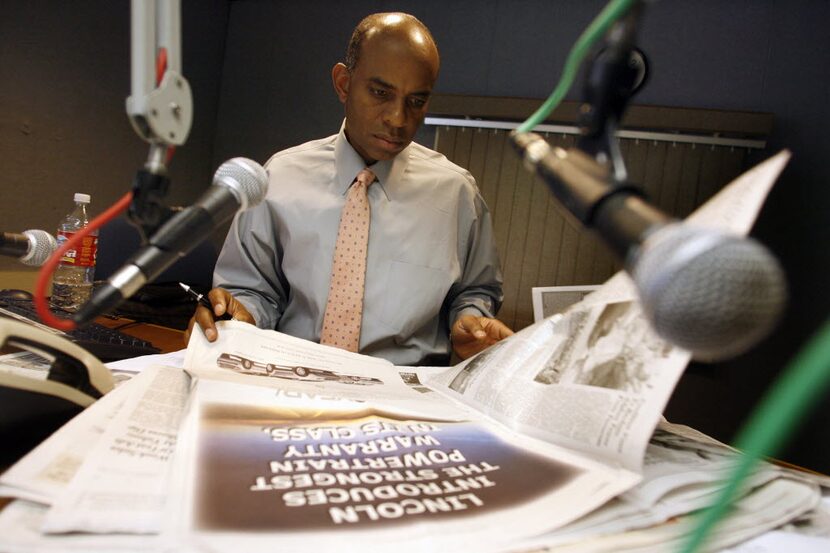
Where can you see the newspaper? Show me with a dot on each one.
(765, 507)
(682, 473)
(122, 487)
(537, 442)
(46, 471)
(21, 523)
(595, 379)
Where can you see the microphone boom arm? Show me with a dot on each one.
(161, 113)
(160, 108)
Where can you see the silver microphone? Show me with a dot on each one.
(712, 293)
(238, 184)
(32, 247)
(709, 292)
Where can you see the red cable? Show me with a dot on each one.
(49, 267)
(161, 65)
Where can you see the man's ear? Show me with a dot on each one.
(340, 78)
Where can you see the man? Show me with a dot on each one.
(432, 277)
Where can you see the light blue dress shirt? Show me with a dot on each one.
(431, 257)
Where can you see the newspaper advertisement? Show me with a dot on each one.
(304, 469)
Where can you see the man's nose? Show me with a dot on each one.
(395, 114)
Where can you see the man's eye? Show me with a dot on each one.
(417, 103)
(379, 92)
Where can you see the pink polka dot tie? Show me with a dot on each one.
(344, 308)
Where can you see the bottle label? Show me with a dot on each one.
(83, 256)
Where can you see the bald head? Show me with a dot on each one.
(390, 28)
(385, 84)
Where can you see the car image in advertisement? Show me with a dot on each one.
(297, 372)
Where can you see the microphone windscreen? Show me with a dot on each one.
(714, 294)
(42, 245)
(246, 178)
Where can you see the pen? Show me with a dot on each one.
(201, 299)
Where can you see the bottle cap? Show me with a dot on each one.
(83, 198)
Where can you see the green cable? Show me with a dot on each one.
(612, 12)
(783, 405)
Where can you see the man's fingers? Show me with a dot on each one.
(237, 311)
(222, 303)
(220, 299)
(189, 330)
(206, 320)
(470, 328)
(497, 329)
(471, 334)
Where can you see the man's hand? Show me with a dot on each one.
(223, 304)
(472, 334)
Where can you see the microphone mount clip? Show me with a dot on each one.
(611, 79)
(147, 212)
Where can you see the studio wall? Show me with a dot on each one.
(64, 80)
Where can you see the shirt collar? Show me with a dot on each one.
(348, 164)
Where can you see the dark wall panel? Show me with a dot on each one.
(64, 78)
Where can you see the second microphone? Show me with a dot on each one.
(238, 184)
(712, 293)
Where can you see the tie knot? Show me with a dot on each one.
(365, 177)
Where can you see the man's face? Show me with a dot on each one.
(385, 96)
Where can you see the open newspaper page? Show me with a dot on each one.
(122, 484)
(597, 377)
(44, 473)
(357, 454)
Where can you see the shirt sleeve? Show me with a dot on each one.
(479, 290)
(249, 266)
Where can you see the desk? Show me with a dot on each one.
(162, 337)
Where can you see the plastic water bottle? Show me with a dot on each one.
(72, 280)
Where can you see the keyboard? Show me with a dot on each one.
(107, 344)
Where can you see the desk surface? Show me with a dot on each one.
(166, 339)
